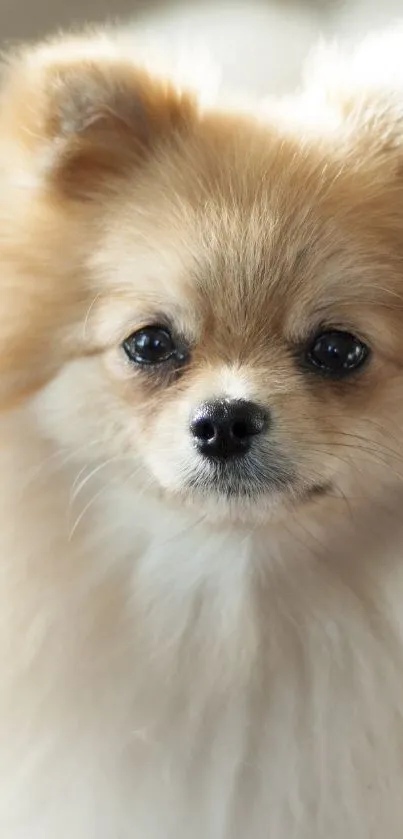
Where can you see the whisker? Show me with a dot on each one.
(52, 461)
(84, 511)
(79, 485)
(89, 312)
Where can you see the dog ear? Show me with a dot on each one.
(76, 112)
(357, 93)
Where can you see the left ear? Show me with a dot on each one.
(80, 111)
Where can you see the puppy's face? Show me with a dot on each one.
(207, 305)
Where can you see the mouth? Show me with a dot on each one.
(247, 477)
(251, 479)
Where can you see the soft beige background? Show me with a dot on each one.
(260, 44)
(20, 19)
(32, 18)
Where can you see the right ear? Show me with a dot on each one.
(76, 112)
(357, 93)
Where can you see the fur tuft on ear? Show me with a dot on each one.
(80, 109)
(358, 92)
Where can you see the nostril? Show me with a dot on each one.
(243, 428)
(240, 430)
(204, 430)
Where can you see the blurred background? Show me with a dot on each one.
(259, 44)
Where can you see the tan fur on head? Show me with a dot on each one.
(77, 118)
(117, 185)
(196, 647)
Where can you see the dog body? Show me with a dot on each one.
(228, 705)
(195, 641)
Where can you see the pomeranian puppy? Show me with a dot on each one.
(201, 441)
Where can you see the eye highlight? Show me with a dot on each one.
(152, 344)
(336, 353)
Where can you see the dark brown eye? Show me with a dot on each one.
(336, 353)
(151, 345)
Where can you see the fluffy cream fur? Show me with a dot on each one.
(175, 665)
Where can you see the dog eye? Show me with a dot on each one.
(151, 345)
(336, 353)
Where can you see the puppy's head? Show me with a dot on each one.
(210, 302)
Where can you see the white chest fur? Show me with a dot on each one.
(161, 679)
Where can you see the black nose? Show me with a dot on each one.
(225, 428)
